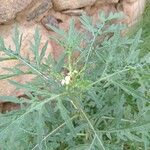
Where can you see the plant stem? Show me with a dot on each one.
(90, 124)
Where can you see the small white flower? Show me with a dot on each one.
(75, 71)
(66, 80)
(69, 74)
(63, 82)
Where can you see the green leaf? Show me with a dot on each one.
(7, 58)
(65, 115)
(34, 46)
(2, 45)
(130, 91)
(60, 63)
(60, 32)
(136, 41)
(87, 23)
(115, 16)
(17, 39)
(12, 99)
(2, 77)
(43, 51)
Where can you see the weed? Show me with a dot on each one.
(102, 103)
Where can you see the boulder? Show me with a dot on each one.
(10, 8)
(60, 5)
(133, 9)
(38, 8)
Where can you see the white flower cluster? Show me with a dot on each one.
(67, 79)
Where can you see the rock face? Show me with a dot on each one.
(29, 14)
(10, 8)
(49, 20)
(71, 4)
(133, 9)
(40, 7)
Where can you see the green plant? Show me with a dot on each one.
(144, 24)
(102, 103)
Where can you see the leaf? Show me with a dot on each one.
(60, 63)
(64, 113)
(2, 77)
(17, 39)
(60, 32)
(134, 52)
(12, 99)
(130, 91)
(7, 58)
(35, 47)
(78, 129)
(43, 51)
(80, 147)
(115, 16)
(136, 41)
(102, 16)
(132, 137)
(2, 45)
(87, 23)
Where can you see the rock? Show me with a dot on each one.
(112, 1)
(39, 8)
(106, 1)
(49, 20)
(60, 5)
(8, 106)
(74, 12)
(10, 8)
(127, 8)
(130, 1)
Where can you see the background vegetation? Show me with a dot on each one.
(100, 101)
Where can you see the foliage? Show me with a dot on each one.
(144, 24)
(102, 103)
